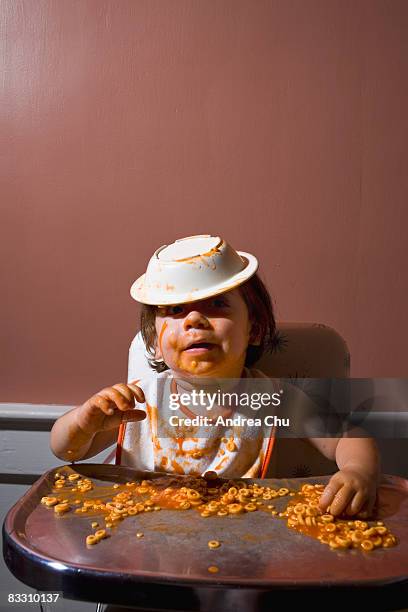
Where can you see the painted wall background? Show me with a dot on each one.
(281, 126)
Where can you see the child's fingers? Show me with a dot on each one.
(342, 499)
(126, 392)
(356, 503)
(104, 404)
(367, 509)
(134, 415)
(117, 399)
(137, 392)
(131, 413)
(329, 492)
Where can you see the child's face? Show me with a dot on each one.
(222, 321)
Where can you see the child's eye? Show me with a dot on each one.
(220, 302)
(175, 309)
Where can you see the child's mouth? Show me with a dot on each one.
(200, 347)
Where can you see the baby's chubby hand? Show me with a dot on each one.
(348, 492)
(104, 410)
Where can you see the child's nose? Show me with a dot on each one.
(196, 319)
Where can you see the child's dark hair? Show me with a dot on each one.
(260, 313)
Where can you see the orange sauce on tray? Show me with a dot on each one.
(73, 493)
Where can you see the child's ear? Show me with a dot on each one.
(254, 336)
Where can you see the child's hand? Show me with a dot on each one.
(348, 492)
(104, 410)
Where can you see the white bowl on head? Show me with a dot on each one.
(191, 269)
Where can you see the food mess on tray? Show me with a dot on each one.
(113, 504)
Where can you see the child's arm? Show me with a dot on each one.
(86, 430)
(355, 485)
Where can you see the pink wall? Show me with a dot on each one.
(282, 126)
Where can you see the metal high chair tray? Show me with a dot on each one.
(257, 550)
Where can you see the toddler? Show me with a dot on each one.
(206, 317)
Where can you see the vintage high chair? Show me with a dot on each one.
(303, 350)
